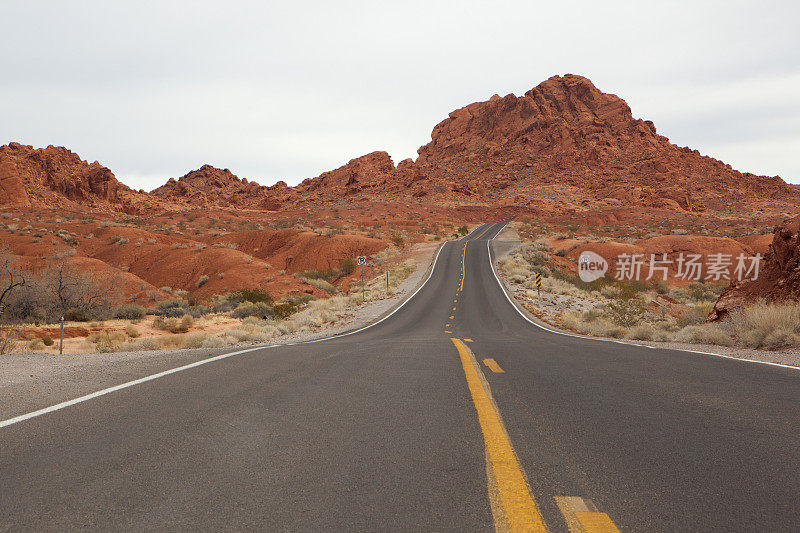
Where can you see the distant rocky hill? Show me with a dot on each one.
(209, 186)
(564, 145)
(54, 175)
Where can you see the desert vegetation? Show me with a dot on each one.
(32, 305)
(643, 311)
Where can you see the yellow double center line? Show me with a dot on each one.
(510, 496)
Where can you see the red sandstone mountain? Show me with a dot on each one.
(779, 279)
(567, 131)
(561, 148)
(56, 177)
(219, 187)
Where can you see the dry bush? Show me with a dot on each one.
(140, 345)
(695, 314)
(703, 334)
(320, 284)
(767, 326)
(641, 332)
(603, 328)
(35, 344)
(131, 331)
(107, 341)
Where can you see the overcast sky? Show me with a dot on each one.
(287, 90)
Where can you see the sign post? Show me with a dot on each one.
(362, 260)
(387, 283)
(539, 283)
(61, 344)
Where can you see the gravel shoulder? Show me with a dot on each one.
(547, 306)
(32, 381)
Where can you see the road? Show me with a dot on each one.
(403, 426)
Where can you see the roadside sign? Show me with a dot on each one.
(361, 260)
(538, 282)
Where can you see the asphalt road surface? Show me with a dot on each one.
(453, 414)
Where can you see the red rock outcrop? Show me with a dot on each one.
(55, 176)
(779, 279)
(567, 131)
(209, 186)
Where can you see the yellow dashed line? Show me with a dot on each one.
(493, 366)
(582, 516)
(448, 331)
(467, 340)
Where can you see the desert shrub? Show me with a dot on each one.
(131, 331)
(695, 314)
(47, 340)
(36, 344)
(147, 344)
(347, 266)
(627, 309)
(173, 324)
(174, 307)
(604, 328)
(398, 240)
(704, 291)
(202, 280)
(298, 298)
(462, 230)
(253, 309)
(312, 273)
(182, 341)
(590, 315)
(130, 312)
(193, 340)
(320, 284)
(767, 326)
(641, 332)
(703, 334)
(250, 295)
(284, 310)
(107, 341)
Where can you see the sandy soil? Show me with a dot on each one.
(32, 381)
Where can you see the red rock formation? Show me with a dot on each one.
(779, 279)
(54, 174)
(566, 130)
(209, 185)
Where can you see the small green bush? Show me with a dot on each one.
(47, 340)
(130, 312)
(347, 266)
(255, 309)
(174, 307)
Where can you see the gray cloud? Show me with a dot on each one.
(288, 90)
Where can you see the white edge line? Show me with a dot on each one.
(115, 388)
(505, 292)
(109, 390)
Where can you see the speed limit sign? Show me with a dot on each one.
(361, 260)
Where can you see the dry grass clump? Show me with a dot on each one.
(174, 325)
(767, 326)
(703, 334)
(107, 340)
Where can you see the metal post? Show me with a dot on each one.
(387, 283)
(61, 344)
(363, 291)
